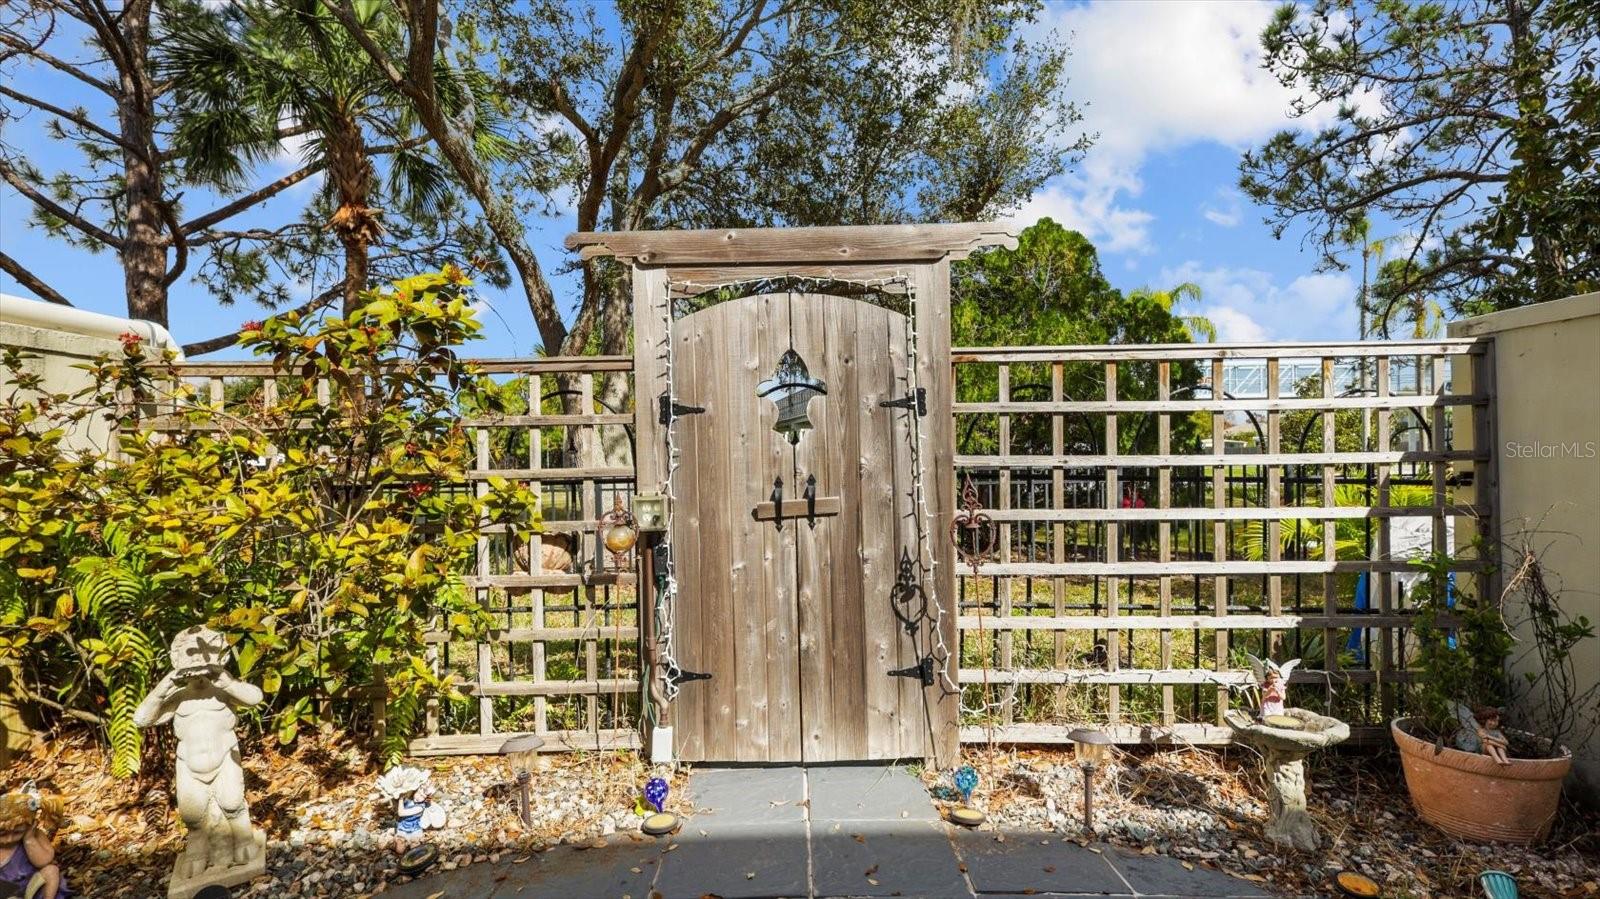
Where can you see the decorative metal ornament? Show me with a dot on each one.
(791, 388)
(619, 532)
(908, 600)
(972, 532)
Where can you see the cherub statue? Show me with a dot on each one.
(409, 790)
(198, 696)
(1273, 680)
(1486, 721)
(28, 824)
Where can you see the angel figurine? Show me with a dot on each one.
(409, 790)
(1273, 680)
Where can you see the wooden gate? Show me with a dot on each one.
(794, 618)
(797, 498)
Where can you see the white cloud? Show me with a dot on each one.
(1088, 206)
(1154, 77)
(1227, 210)
(1234, 326)
(1249, 305)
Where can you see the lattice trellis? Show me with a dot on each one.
(1151, 531)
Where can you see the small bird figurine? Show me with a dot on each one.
(966, 782)
(655, 792)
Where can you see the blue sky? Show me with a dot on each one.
(1174, 90)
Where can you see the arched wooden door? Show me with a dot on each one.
(788, 547)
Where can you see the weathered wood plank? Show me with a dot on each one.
(1141, 622)
(1147, 734)
(1205, 352)
(1224, 568)
(1234, 460)
(554, 741)
(837, 245)
(1235, 513)
(1208, 404)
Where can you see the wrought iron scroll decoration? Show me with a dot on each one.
(972, 532)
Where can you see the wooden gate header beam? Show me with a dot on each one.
(852, 245)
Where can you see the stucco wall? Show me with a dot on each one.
(60, 338)
(1547, 444)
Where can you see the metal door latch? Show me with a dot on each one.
(922, 671)
(681, 676)
(671, 409)
(917, 402)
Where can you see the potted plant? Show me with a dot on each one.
(1466, 774)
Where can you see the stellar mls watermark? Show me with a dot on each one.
(1538, 449)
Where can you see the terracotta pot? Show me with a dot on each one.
(1473, 797)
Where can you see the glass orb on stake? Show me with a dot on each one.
(966, 781)
(619, 532)
(662, 822)
(522, 755)
(1092, 749)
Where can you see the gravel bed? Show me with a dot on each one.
(1208, 807)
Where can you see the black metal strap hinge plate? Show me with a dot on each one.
(682, 676)
(917, 402)
(671, 409)
(922, 671)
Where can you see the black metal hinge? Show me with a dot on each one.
(682, 676)
(922, 671)
(671, 409)
(917, 402)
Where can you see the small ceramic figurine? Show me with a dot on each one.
(28, 822)
(1274, 682)
(409, 790)
(199, 696)
(1493, 739)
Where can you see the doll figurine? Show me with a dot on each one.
(1495, 744)
(414, 810)
(28, 823)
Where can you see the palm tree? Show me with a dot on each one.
(1198, 327)
(245, 72)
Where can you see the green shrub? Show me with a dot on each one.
(322, 533)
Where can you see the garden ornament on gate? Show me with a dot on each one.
(972, 532)
(199, 696)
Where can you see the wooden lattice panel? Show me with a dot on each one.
(562, 659)
(1163, 510)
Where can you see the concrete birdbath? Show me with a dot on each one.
(1284, 748)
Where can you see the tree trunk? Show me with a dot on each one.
(144, 252)
(356, 223)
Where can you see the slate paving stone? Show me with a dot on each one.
(879, 858)
(1028, 862)
(744, 861)
(567, 872)
(868, 793)
(475, 882)
(1156, 875)
(748, 795)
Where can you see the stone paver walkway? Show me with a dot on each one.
(847, 831)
